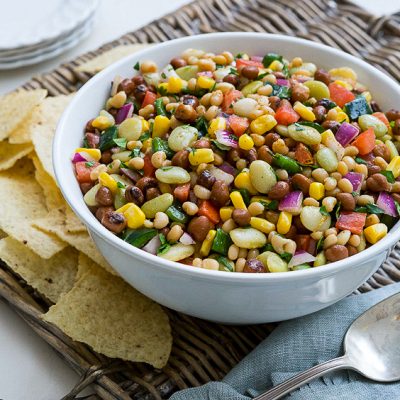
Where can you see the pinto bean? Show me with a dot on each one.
(178, 62)
(104, 196)
(254, 266)
(181, 159)
(279, 190)
(220, 193)
(199, 227)
(241, 217)
(322, 76)
(190, 100)
(347, 201)
(249, 72)
(378, 183)
(206, 179)
(115, 222)
(301, 182)
(336, 252)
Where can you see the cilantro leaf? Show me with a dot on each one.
(136, 66)
(323, 211)
(389, 176)
(286, 256)
(120, 142)
(89, 164)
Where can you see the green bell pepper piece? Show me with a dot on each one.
(287, 164)
(176, 215)
(221, 242)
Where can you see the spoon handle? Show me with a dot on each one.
(298, 380)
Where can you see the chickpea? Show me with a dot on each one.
(158, 158)
(136, 163)
(175, 233)
(161, 220)
(255, 208)
(185, 113)
(147, 67)
(216, 98)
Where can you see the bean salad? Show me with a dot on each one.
(242, 163)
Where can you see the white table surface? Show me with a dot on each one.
(29, 369)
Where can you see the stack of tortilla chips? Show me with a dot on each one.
(43, 242)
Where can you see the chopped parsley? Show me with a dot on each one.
(89, 164)
(120, 142)
(136, 66)
(324, 211)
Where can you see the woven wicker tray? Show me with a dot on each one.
(204, 351)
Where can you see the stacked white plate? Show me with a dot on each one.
(34, 31)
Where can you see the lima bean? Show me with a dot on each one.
(248, 238)
(369, 121)
(262, 176)
(130, 129)
(273, 262)
(182, 137)
(172, 175)
(90, 197)
(178, 252)
(313, 220)
(327, 159)
(318, 89)
(304, 134)
(159, 204)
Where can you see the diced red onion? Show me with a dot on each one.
(291, 202)
(153, 245)
(114, 88)
(355, 179)
(205, 73)
(302, 78)
(126, 111)
(346, 133)
(228, 168)
(300, 257)
(132, 175)
(226, 138)
(256, 58)
(387, 204)
(186, 239)
(282, 82)
(220, 174)
(78, 157)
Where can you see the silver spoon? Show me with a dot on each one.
(371, 347)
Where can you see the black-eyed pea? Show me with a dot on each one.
(147, 67)
(354, 240)
(148, 224)
(343, 237)
(336, 175)
(197, 262)
(257, 139)
(242, 253)
(252, 253)
(190, 208)
(330, 183)
(216, 98)
(345, 185)
(233, 252)
(309, 201)
(239, 265)
(136, 163)
(329, 203)
(175, 233)
(255, 208)
(228, 56)
(330, 231)
(210, 263)
(342, 168)
(372, 219)
(317, 235)
(157, 159)
(330, 241)
(220, 59)
(349, 161)
(201, 192)
(211, 113)
(146, 111)
(161, 220)
(365, 199)
(319, 174)
(228, 225)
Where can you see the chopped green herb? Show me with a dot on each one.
(145, 136)
(286, 256)
(219, 66)
(159, 144)
(320, 244)
(163, 75)
(135, 153)
(269, 58)
(267, 247)
(220, 146)
(89, 164)
(160, 108)
(201, 125)
(354, 194)
(273, 205)
(285, 71)
(392, 124)
(314, 125)
(213, 87)
(283, 92)
(359, 160)
(108, 137)
(324, 211)
(389, 176)
(85, 143)
(239, 55)
(165, 246)
(162, 90)
(337, 210)
(226, 264)
(120, 185)
(139, 237)
(370, 209)
(397, 206)
(120, 142)
(233, 71)
(165, 168)
(136, 66)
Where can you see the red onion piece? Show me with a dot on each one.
(387, 204)
(355, 179)
(153, 245)
(300, 257)
(132, 175)
(346, 133)
(221, 175)
(205, 73)
(78, 157)
(227, 139)
(186, 239)
(126, 111)
(256, 58)
(228, 168)
(282, 82)
(291, 202)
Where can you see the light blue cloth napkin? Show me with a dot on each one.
(295, 346)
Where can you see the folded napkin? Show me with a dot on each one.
(295, 346)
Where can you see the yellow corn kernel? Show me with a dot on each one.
(163, 87)
(217, 124)
(284, 222)
(392, 149)
(93, 153)
(146, 144)
(204, 82)
(343, 73)
(394, 166)
(242, 181)
(317, 190)
(344, 84)
(304, 112)
(260, 199)
(207, 243)
(367, 96)
(199, 156)
(276, 65)
(328, 139)
(376, 232)
(341, 116)
(102, 122)
(263, 124)
(145, 125)
(161, 126)
(262, 225)
(225, 213)
(134, 216)
(246, 142)
(237, 200)
(122, 209)
(107, 181)
(175, 84)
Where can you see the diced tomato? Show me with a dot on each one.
(381, 116)
(352, 221)
(303, 155)
(181, 192)
(247, 63)
(149, 98)
(285, 115)
(83, 170)
(306, 243)
(148, 168)
(365, 142)
(229, 99)
(208, 210)
(340, 95)
(187, 261)
(238, 124)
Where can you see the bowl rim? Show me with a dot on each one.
(94, 225)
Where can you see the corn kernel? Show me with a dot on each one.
(204, 82)
(242, 181)
(146, 145)
(217, 124)
(107, 181)
(367, 96)
(344, 84)
(237, 200)
(317, 190)
(262, 225)
(145, 125)
(161, 126)
(376, 232)
(134, 215)
(263, 124)
(95, 154)
(276, 65)
(101, 122)
(207, 243)
(199, 156)
(225, 213)
(284, 222)
(394, 166)
(344, 73)
(260, 199)
(163, 87)
(175, 84)
(304, 112)
(246, 142)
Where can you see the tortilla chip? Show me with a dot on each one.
(42, 133)
(22, 133)
(15, 107)
(55, 223)
(21, 200)
(3, 234)
(114, 319)
(104, 60)
(50, 277)
(11, 153)
(72, 222)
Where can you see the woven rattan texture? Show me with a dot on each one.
(204, 351)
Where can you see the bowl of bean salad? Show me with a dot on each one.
(236, 164)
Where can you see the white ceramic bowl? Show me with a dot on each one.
(235, 298)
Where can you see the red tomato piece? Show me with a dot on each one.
(148, 168)
(208, 210)
(229, 99)
(238, 125)
(352, 221)
(149, 98)
(285, 115)
(303, 155)
(365, 142)
(83, 170)
(248, 63)
(181, 192)
(381, 116)
(340, 95)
